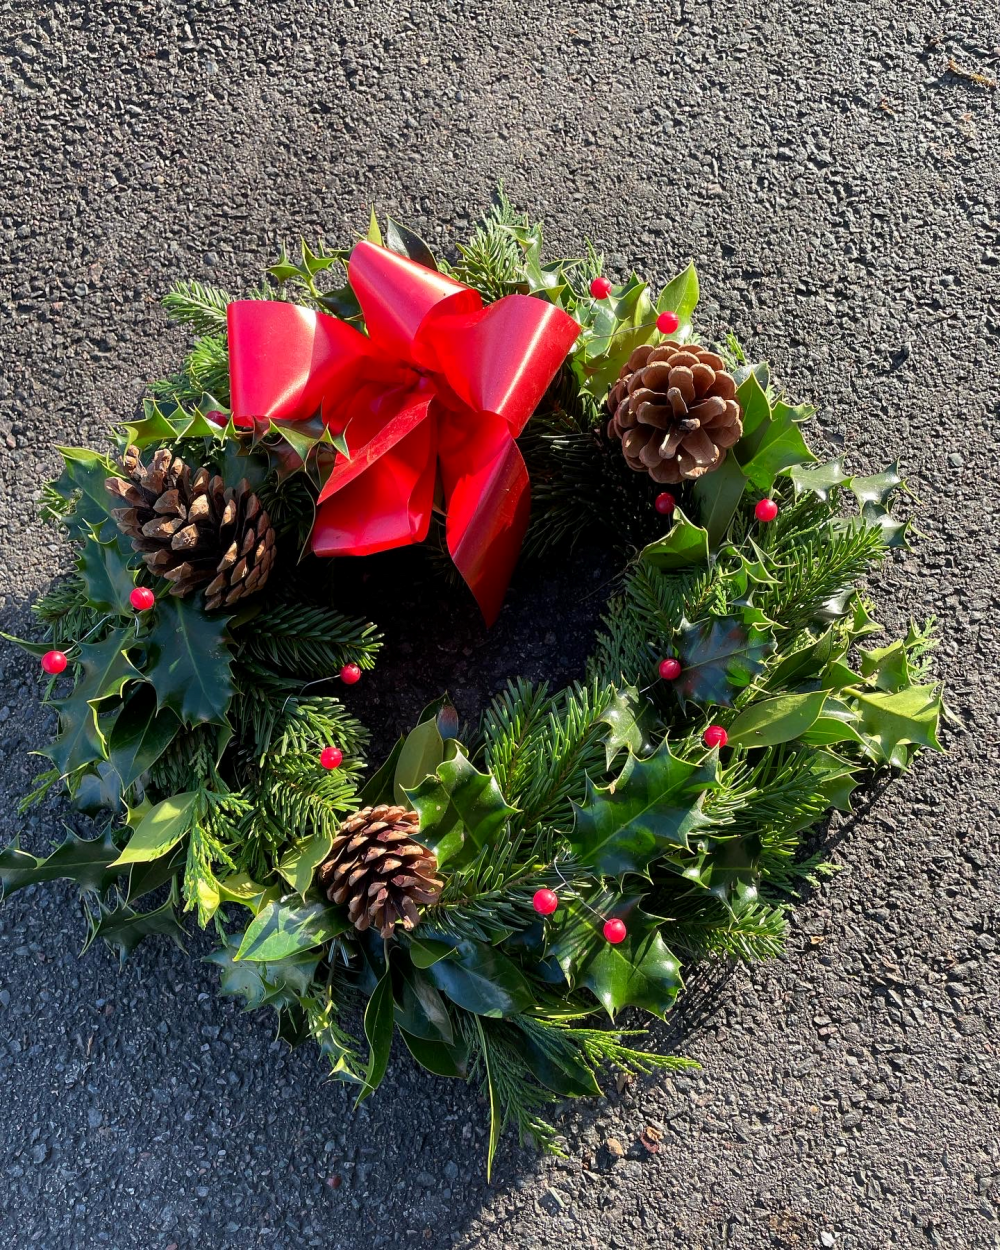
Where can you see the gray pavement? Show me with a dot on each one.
(837, 186)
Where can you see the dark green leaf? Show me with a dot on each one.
(141, 735)
(282, 928)
(144, 878)
(98, 789)
(879, 488)
(438, 1058)
(298, 864)
(106, 575)
(189, 662)
(281, 983)
(379, 786)
(123, 928)
(420, 1009)
(562, 1071)
(718, 496)
(685, 545)
(653, 807)
(482, 980)
(719, 656)
(459, 799)
(379, 1021)
(423, 751)
(85, 861)
(622, 716)
(403, 240)
(105, 670)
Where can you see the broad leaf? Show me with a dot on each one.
(823, 481)
(403, 240)
(909, 715)
(718, 496)
(106, 575)
(422, 751)
(888, 668)
(189, 663)
(282, 928)
(143, 878)
(379, 786)
(278, 984)
(879, 488)
(82, 479)
(482, 980)
(298, 865)
(654, 806)
(85, 861)
(622, 717)
(777, 445)
(719, 656)
(379, 1023)
(638, 972)
(685, 545)
(141, 735)
(420, 1009)
(772, 721)
(680, 296)
(161, 828)
(437, 1057)
(564, 1072)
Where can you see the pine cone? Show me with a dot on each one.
(377, 868)
(675, 410)
(192, 529)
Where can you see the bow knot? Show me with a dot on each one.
(440, 387)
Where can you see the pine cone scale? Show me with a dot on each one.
(377, 867)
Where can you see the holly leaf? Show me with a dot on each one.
(161, 828)
(459, 808)
(773, 721)
(82, 483)
(482, 980)
(98, 789)
(143, 878)
(379, 1023)
(719, 656)
(123, 928)
(680, 296)
(623, 718)
(140, 736)
(879, 487)
(279, 984)
(282, 928)
(423, 748)
(106, 575)
(887, 668)
(652, 807)
(379, 786)
(638, 972)
(374, 234)
(823, 481)
(105, 668)
(189, 662)
(776, 441)
(909, 715)
(686, 544)
(87, 861)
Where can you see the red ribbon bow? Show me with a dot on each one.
(438, 382)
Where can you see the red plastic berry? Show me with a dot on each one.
(331, 757)
(350, 674)
(668, 322)
(670, 669)
(665, 503)
(142, 599)
(54, 662)
(615, 931)
(600, 288)
(715, 736)
(766, 510)
(545, 902)
(217, 417)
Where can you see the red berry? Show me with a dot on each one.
(217, 417)
(545, 902)
(665, 503)
(668, 322)
(615, 931)
(715, 736)
(142, 599)
(766, 510)
(54, 662)
(350, 674)
(331, 757)
(670, 669)
(600, 288)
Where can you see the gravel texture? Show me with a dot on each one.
(837, 186)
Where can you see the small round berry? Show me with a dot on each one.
(665, 503)
(217, 417)
(670, 669)
(715, 736)
(350, 674)
(600, 288)
(142, 599)
(331, 757)
(668, 323)
(545, 902)
(615, 931)
(54, 662)
(766, 510)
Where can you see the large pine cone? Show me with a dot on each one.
(192, 529)
(377, 868)
(675, 410)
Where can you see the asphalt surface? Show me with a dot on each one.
(837, 186)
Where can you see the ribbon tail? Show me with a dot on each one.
(488, 499)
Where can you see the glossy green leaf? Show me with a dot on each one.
(281, 983)
(87, 861)
(638, 972)
(298, 865)
(563, 1072)
(879, 487)
(106, 575)
(777, 445)
(806, 663)
(374, 233)
(98, 788)
(425, 951)
(623, 717)
(144, 878)
(652, 807)
(420, 1009)
(189, 662)
(685, 545)
(379, 1023)
(887, 668)
(437, 1057)
(423, 751)
(401, 239)
(281, 928)
(161, 828)
(379, 786)
(773, 721)
(141, 734)
(105, 669)
(482, 980)
(910, 715)
(719, 656)
(718, 496)
(496, 1111)
(823, 480)
(82, 479)
(752, 396)
(680, 296)
(459, 806)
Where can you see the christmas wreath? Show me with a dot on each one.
(490, 893)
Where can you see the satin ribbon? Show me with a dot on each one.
(437, 391)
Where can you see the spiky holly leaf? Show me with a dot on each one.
(719, 656)
(772, 441)
(81, 483)
(83, 860)
(460, 808)
(105, 669)
(623, 717)
(655, 805)
(910, 715)
(123, 928)
(279, 983)
(189, 662)
(823, 480)
(879, 487)
(639, 972)
(104, 567)
(686, 544)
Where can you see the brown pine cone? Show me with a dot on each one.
(675, 410)
(192, 529)
(377, 868)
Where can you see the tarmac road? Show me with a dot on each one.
(837, 185)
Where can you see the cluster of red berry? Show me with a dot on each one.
(545, 902)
